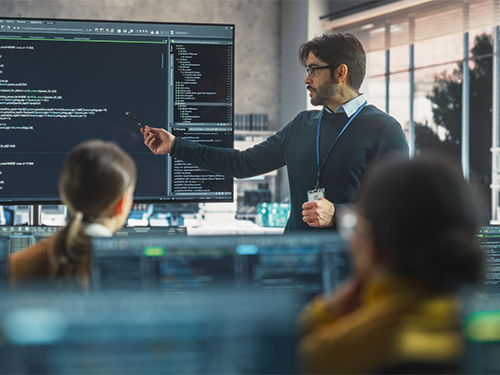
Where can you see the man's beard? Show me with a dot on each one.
(325, 92)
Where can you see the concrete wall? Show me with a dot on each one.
(257, 25)
(299, 23)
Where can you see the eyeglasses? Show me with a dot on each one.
(312, 69)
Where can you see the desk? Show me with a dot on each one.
(232, 227)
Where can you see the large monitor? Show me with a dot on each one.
(66, 81)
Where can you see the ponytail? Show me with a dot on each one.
(72, 261)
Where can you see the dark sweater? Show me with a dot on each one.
(371, 135)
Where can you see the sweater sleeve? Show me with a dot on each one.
(261, 158)
(391, 142)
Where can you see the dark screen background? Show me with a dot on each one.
(80, 90)
(58, 90)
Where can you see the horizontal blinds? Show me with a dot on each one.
(417, 21)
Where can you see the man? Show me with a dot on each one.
(325, 152)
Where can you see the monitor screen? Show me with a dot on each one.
(480, 317)
(308, 265)
(489, 242)
(18, 238)
(21, 237)
(66, 81)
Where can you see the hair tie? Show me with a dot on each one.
(79, 215)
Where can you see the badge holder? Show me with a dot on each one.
(314, 195)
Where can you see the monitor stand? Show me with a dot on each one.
(34, 215)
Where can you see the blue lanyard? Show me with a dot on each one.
(320, 166)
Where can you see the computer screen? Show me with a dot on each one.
(21, 237)
(18, 238)
(66, 81)
(480, 317)
(488, 238)
(480, 310)
(308, 265)
(209, 332)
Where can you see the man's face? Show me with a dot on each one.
(321, 87)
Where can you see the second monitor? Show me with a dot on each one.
(294, 262)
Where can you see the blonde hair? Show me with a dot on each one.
(94, 178)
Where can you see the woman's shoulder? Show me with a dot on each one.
(37, 249)
(33, 261)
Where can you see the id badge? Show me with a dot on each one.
(314, 195)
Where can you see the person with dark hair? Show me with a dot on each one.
(413, 245)
(325, 151)
(97, 186)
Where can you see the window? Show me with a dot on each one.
(424, 89)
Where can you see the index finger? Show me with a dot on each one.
(308, 205)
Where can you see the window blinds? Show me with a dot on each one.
(410, 21)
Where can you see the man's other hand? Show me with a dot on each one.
(318, 213)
